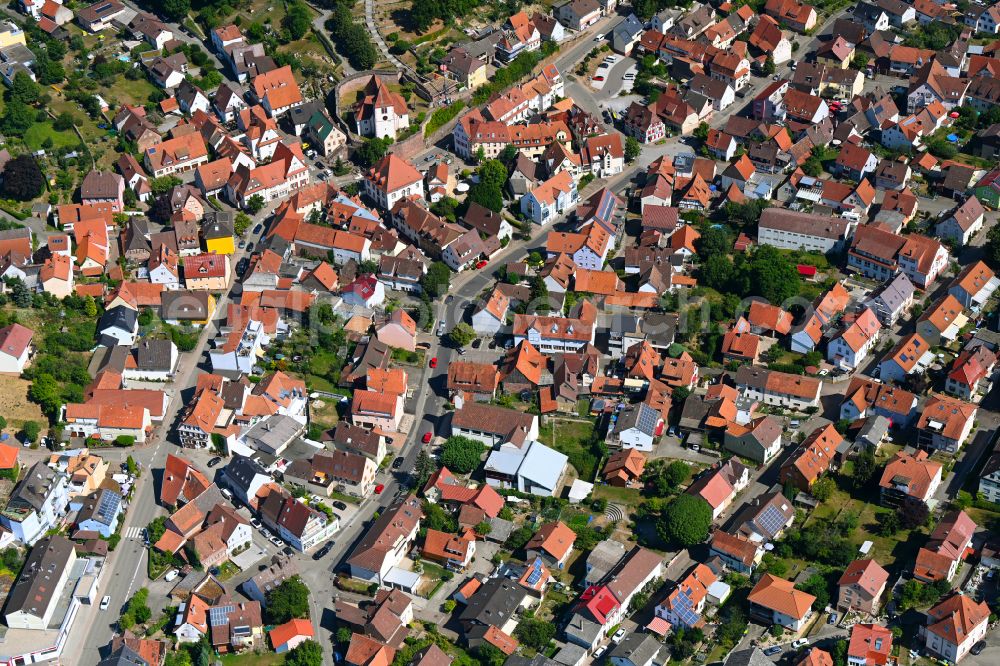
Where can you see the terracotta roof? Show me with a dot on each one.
(974, 277)
(780, 595)
(951, 414)
(871, 643)
(627, 464)
(956, 617)
(392, 173)
(867, 574)
(814, 455)
(283, 633)
(735, 546)
(915, 471)
(769, 317)
(942, 313)
(555, 539)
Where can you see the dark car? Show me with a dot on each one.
(214, 461)
(321, 553)
(250, 247)
(397, 463)
(256, 230)
(978, 647)
(773, 650)
(339, 505)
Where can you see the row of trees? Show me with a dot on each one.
(351, 38)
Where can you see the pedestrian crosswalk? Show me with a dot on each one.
(134, 533)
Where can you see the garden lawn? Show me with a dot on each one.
(252, 659)
(627, 496)
(887, 550)
(39, 132)
(575, 439)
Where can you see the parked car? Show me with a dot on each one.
(321, 553)
(255, 523)
(799, 642)
(978, 647)
(172, 575)
(619, 636)
(397, 463)
(214, 461)
(773, 650)
(426, 439)
(105, 602)
(434, 362)
(227, 494)
(257, 229)
(599, 652)
(379, 488)
(832, 619)
(337, 504)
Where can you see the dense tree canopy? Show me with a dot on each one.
(287, 601)
(436, 281)
(23, 179)
(767, 273)
(462, 454)
(686, 521)
(306, 653)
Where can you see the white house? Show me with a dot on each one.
(37, 503)
(955, 625)
(15, 348)
(963, 223)
(391, 179)
(550, 199)
(852, 346)
(240, 349)
(636, 427)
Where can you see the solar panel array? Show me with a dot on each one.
(684, 609)
(771, 520)
(219, 615)
(106, 509)
(536, 572)
(648, 417)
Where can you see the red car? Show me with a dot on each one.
(481, 263)
(427, 438)
(379, 488)
(434, 362)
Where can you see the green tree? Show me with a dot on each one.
(540, 294)
(677, 473)
(131, 466)
(685, 521)
(816, 585)
(371, 151)
(23, 89)
(156, 528)
(701, 132)
(769, 66)
(175, 10)
(297, 20)
(864, 469)
(449, 605)
(462, 454)
(255, 204)
(288, 601)
(163, 184)
(490, 655)
(17, 118)
(31, 430)
(773, 275)
(632, 149)
(437, 280)
(306, 653)
(519, 538)
(535, 633)
(423, 468)
(241, 223)
(746, 214)
(462, 334)
(483, 528)
(823, 488)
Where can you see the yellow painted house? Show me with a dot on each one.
(10, 34)
(217, 233)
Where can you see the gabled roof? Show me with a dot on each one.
(956, 617)
(780, 595)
